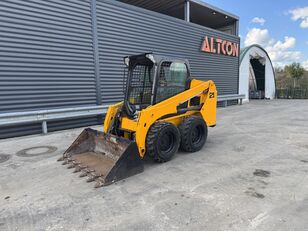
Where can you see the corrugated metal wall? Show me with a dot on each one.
(46, 58)
(49, 57)
(124, 30)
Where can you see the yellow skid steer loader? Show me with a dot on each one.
(163, 110)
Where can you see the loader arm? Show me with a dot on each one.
(110, 116)
(147, 117)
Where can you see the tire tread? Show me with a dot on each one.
(184, 128)
(150, 140)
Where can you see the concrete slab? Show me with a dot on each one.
(251, 175)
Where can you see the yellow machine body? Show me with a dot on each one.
(140, 126)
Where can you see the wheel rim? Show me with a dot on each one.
(167, 142)
(197, 134)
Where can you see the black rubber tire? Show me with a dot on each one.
(162, 142)
(193, 132)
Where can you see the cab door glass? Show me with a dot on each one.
(171, 80)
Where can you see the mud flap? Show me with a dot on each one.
(102, 157)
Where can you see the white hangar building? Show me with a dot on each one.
(257, 75)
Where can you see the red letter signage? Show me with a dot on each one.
(219, 46)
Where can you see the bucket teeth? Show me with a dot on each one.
(87, 172)
(83, 174)
(61, 158)
(92, 178)
(72, 165)
(67, 160)
(102, 158)
(99, 182)
(78, 168)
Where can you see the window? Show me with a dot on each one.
(140, 89)
(172, 80)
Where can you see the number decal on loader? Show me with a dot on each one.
(212, 95)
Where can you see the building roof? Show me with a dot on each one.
(200, 12)
(246, 49)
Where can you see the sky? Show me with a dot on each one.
(280, 26)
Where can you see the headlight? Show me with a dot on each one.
(126, 61)
(150, 57)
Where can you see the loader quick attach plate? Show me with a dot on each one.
(102, 157)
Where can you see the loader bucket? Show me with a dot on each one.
(102, 157)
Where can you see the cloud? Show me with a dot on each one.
(289, 42)
(258, 20)
(305, 64)
(300, 14)
(280, 52)
(257, 36)
(304, 23)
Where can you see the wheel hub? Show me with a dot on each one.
(166, 142)
(197, 134)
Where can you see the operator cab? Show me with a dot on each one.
(151, 79)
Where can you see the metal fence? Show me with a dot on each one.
(225, 100)
(292, 93)
(44, 116)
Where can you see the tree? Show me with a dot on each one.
(295, 71)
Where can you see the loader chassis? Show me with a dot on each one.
(163, 109)
(150, 115)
